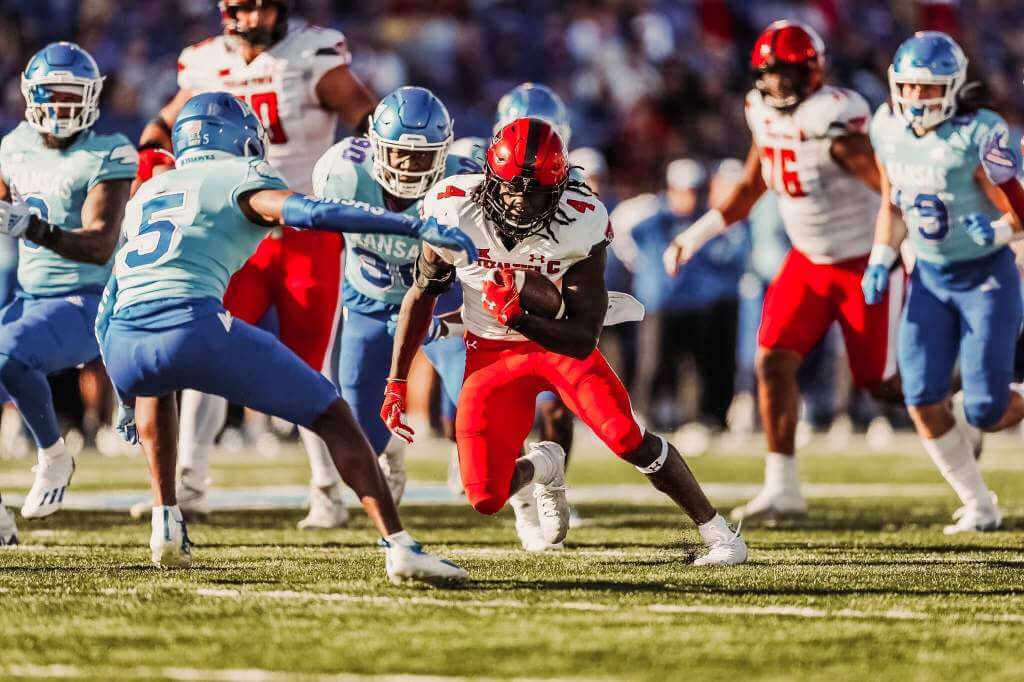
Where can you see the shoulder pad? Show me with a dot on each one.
(834, 112)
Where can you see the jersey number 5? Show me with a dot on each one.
(782, 176)
(143, 249)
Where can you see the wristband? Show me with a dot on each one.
(1003, 232)
(707, 227)
(882, 254)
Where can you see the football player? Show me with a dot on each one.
(296, 78)
(63, 190)
(524, 212)
(949, 168)
(404, 155)
(810, 146)
(163, 327)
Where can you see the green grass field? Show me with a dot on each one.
(868, 588)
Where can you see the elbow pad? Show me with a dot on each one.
(433, 278)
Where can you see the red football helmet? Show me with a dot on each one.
(258, 37)
(527, 171)
(788, 62)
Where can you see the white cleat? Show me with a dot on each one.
(528, 529)
(769, 507)
(191, 495)
(974, 435)
(169, 541)
(725, 547)
(975, 519)
(8, 528)
(326, 509)
(411, 563)
(552, 505)
(392, 463)
(51, 485)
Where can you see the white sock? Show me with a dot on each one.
(714, 529)
(401, 538)
(54, 452)
(158, 513)
(202, 417)
(780, 475)
(323, 473)
(543, 468)
(954, 459)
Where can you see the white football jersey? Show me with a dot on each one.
(449, 201)
(280, 86)
(829, 214)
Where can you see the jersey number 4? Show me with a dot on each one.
(142, 250)
(781, 175)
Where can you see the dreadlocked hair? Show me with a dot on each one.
(479, 197)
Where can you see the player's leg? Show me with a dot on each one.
(716, 361)
(594, 393)
(797, 313)
(157, 422)
(929, 339)
(556, 421)
(307, 286)
(38, 337)
(990, 324)
(448, 356)
(94, 386)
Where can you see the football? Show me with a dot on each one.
(539, 295)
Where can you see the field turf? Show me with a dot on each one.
(869, 588)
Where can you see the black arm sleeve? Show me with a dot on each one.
(433, 278)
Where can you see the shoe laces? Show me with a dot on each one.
(546, 503)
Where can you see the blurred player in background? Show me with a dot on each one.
(63, 190)
(296, 78)
(404, 155)
(950, 168)
(164, 329)
(525, 212)
(811, 147)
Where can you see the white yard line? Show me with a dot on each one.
(705, 609)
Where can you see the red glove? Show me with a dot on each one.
(150, 159)
(501, 298)
(392, 412)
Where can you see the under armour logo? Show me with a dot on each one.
(226, 320)
(491, 305)
(536, 257)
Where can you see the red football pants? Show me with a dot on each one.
(299, 273)
(497, 404)
(806, 298)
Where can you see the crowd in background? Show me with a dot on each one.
(648, 82)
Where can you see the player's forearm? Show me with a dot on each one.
(156, 134)
(83, 246)
(890, 230)
(345, 216)
(739, 203)
(567, 336)
(414, 320)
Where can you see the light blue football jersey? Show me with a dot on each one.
(185, 233)
(55, 182)
(933, 177)
(378, 267)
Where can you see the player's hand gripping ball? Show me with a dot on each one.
(512, 293)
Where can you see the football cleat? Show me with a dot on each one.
(524, 505)
(326, 509)
(770, 506)
(191, 495)
(169, 541)
(392, 463)
(411, 563)
(53, 476)
(725, 547)
(975, 519)
(552, 505)
(974, 435)
(8, 528)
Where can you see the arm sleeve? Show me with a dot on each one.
(346, 216)
(997, 154)
(120, 162)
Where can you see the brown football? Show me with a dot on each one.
(538, 295)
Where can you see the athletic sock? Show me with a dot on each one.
(202, 417)
(544, 468)
(401, 538)
(323, 473)
(53, 453)
(954, 459)
(780, 474)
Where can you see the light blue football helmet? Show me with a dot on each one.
(534, 100)
(927, 58)
(69, 72)
(215, 125)
(410, 119)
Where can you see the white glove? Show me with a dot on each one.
(14, 218)
(686, 245)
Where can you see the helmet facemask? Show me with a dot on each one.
(783, 86)
(406, 168)
(60, 103)
(520, 207)
(261, 36)
(925, 113)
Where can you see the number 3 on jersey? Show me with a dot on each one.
(780, 174)
(157, 234)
